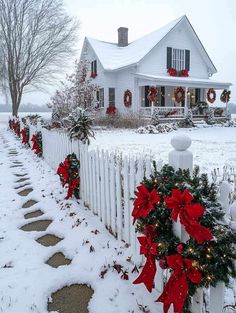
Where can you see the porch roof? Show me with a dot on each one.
(145, 79)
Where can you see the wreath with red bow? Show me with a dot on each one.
(37, 145)
(128, 98)
(152, 93)
(211, 95)
(14, 125)
(179, 94)
(206, 258)
(25, 135)
(69, 175)
(225, 96)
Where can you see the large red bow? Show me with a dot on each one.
(149, 249)
(145, 202)
(189, 213)
(176, 289)
(24, 136)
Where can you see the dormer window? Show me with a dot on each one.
(178, 59)
(94, 69)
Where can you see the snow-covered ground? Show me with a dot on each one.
(4, 116)
(212, 147)
(26, 281)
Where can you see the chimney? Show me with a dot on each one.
(123, 37)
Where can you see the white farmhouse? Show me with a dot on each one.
(168, 70)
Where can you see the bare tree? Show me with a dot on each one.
(36, 39)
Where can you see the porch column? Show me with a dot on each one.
(186, 101)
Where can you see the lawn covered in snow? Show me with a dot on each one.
(212, 147)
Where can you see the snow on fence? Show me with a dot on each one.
(108, 183)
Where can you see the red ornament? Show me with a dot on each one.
(145, 202)
(176, 289)
(150, 231)
(180, 248)
(189, 213)
(149, 249)
(163, 264)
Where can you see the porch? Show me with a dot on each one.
(173, 96)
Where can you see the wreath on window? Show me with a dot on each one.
(225, 96)
(127, 98)
(211, 95)
(179, 94)
(152, 93)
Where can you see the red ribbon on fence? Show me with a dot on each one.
(149, 249)
(35, 146)
(24, 136)
(72, 185)
(63, 172)
(189, 213)
(176, 289)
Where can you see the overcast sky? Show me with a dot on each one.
(213, 20)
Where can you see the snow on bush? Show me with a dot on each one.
(158, 129)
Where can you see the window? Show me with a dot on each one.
(111, 98)
(100, 98)
(178, 59)
(94, 68)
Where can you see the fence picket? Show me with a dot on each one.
(126, 200)
(112, 194)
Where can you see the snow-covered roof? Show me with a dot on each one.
(114, 57)
(184, 81)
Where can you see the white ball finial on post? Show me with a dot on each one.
(181, 157)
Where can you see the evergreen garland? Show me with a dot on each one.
(212, 259)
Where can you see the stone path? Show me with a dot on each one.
(69, 299)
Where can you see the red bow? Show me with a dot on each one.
(149, 249)
(145, 202)
(63, 172)
(189, 213)
(24, 136)
(35, 146)
(176, 288)
(73, 184)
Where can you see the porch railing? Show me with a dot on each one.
(163, 111)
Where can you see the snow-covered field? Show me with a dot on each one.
(4, 116)
(212, 147)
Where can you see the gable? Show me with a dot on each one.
(155, 62)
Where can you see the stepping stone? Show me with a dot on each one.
(41, 225)
(20, 175)
(33, 214)
(19, 165)
(21, 180)
(48, 240)
(16, 162)
(71, 299)
(25, 192)
(58, 259)
(29, 204)
(21, 186)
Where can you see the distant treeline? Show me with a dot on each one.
(28, 107)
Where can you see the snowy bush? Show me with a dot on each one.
(158, 129)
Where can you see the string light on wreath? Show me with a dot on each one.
(225, 96)
(127, 98)
(211, 95)
(194, 203)
(179, 94)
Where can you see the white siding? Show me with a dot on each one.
(180, 38)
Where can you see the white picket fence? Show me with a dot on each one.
(108, 183)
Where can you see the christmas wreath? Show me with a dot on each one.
(204, 259)
(211, 95)
(37, 143)
(179, 94)
(152, 93)
(225, 96)
(15, 126)
(69, 175)
(25, 135)
(128, 98)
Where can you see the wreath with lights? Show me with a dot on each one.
(211, 95)
(225, 96)
(127, 98)
(205, 258)
(179, 94)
